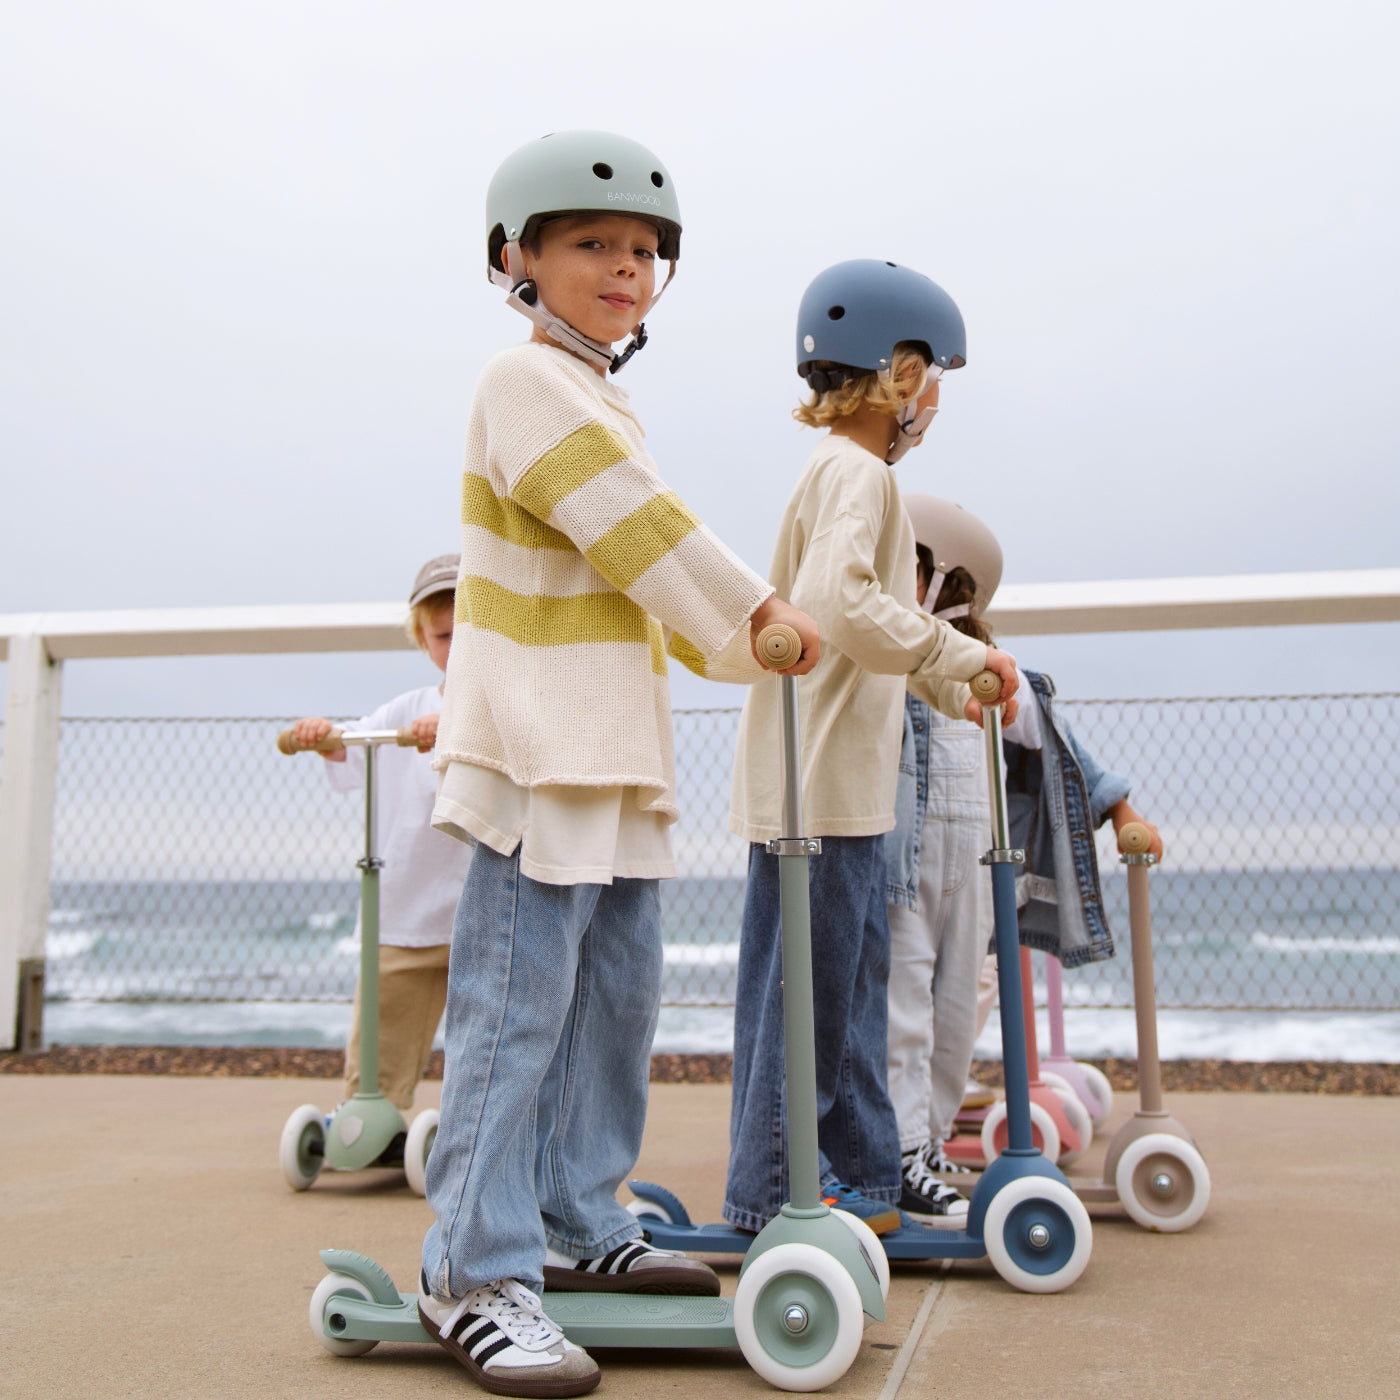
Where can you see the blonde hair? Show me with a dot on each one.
(421, 615)
(888, 394)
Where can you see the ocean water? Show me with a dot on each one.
(1291, 964)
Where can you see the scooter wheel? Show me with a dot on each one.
(1080, 1121)
(1038, 1234)
(419, 1143)
(798, 1317)
(649, 1210)
(1044, 1134)
(323, 1325)
(1100, 1091)
(302, 1150)
(871, 1247)
(1163, 1182)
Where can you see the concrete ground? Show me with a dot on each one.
(150, 1248)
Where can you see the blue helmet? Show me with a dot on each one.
(855, 313)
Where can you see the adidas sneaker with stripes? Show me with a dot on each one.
(635, 1266)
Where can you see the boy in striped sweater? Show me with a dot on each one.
(580, 573)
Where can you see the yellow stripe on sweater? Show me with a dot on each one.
(505, 518)
(687, 653)
(586, 452)
(624, 553)
(540, 620)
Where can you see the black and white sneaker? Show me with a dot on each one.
(501, 1335)
(937, 1161)
(924, 1194)
(636, 1266)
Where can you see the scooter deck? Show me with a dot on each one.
(587, 1319)
(908, 1242)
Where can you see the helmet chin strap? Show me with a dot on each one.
(913, 424)
(935, 587)
(524, 297)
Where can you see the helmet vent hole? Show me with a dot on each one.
(603, 170)
(657, 178)
(890, 264)
(835, 313)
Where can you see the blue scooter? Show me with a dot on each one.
(1024, 1216)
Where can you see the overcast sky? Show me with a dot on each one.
(245, 301)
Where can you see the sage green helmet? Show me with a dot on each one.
(578, 172)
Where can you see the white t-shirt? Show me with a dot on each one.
(424, 871)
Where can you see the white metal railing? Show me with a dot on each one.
(36, 644)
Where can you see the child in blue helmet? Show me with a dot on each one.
(873, 340)
(555, 751)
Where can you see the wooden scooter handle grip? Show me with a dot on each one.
(1134, 839)
(986, 688)
(288, 743)
(779, 646)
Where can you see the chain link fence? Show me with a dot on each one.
(192, 862)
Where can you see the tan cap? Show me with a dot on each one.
(436, 576)
(957, 539)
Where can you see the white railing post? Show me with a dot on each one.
(26, 836)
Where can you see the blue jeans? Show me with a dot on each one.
(857, 1134)
(552, 998)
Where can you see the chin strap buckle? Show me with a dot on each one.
(638, 340)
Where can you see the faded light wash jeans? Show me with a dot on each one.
(856, 1131)
(552, 999)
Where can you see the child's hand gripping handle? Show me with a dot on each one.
(779, 646)
(1135, 839)
(986, 688)
(287, 741)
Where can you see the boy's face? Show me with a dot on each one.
(437, 635)
(596, 271)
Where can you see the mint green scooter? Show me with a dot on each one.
(810, 1278)
(367, 1130)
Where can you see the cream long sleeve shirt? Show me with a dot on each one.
(580, 571)
(845, 556)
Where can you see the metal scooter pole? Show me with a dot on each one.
(986, 689)
(369, 938)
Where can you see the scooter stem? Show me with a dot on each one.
(1144, 988)
(369, 940)
(799, 1030)
(1054, 995)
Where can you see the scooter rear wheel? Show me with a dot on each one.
(334, 1286)
(798, 1317)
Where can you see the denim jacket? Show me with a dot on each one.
(1056, 797)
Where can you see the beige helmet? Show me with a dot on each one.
(957, 539)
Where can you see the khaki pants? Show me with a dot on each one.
(412, 994)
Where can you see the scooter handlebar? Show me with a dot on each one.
(1134, 839)
(335, 741)
(986, 688)
(779, 646)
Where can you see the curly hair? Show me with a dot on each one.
(906, 380)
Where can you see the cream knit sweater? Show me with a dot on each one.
(580, 570)
(845, 556)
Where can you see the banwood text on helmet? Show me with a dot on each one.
(957, 539)
(576, 172)
(855, 313)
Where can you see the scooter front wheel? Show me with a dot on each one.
(798, 1317)
(335, 1286)
(302, 1151)
(419, 1143)
(1044, 1134)
(1080, 1121)
(1038, 1235)
(1163, 1183)
(1100, 1090)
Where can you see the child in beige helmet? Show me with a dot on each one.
(423, 869)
